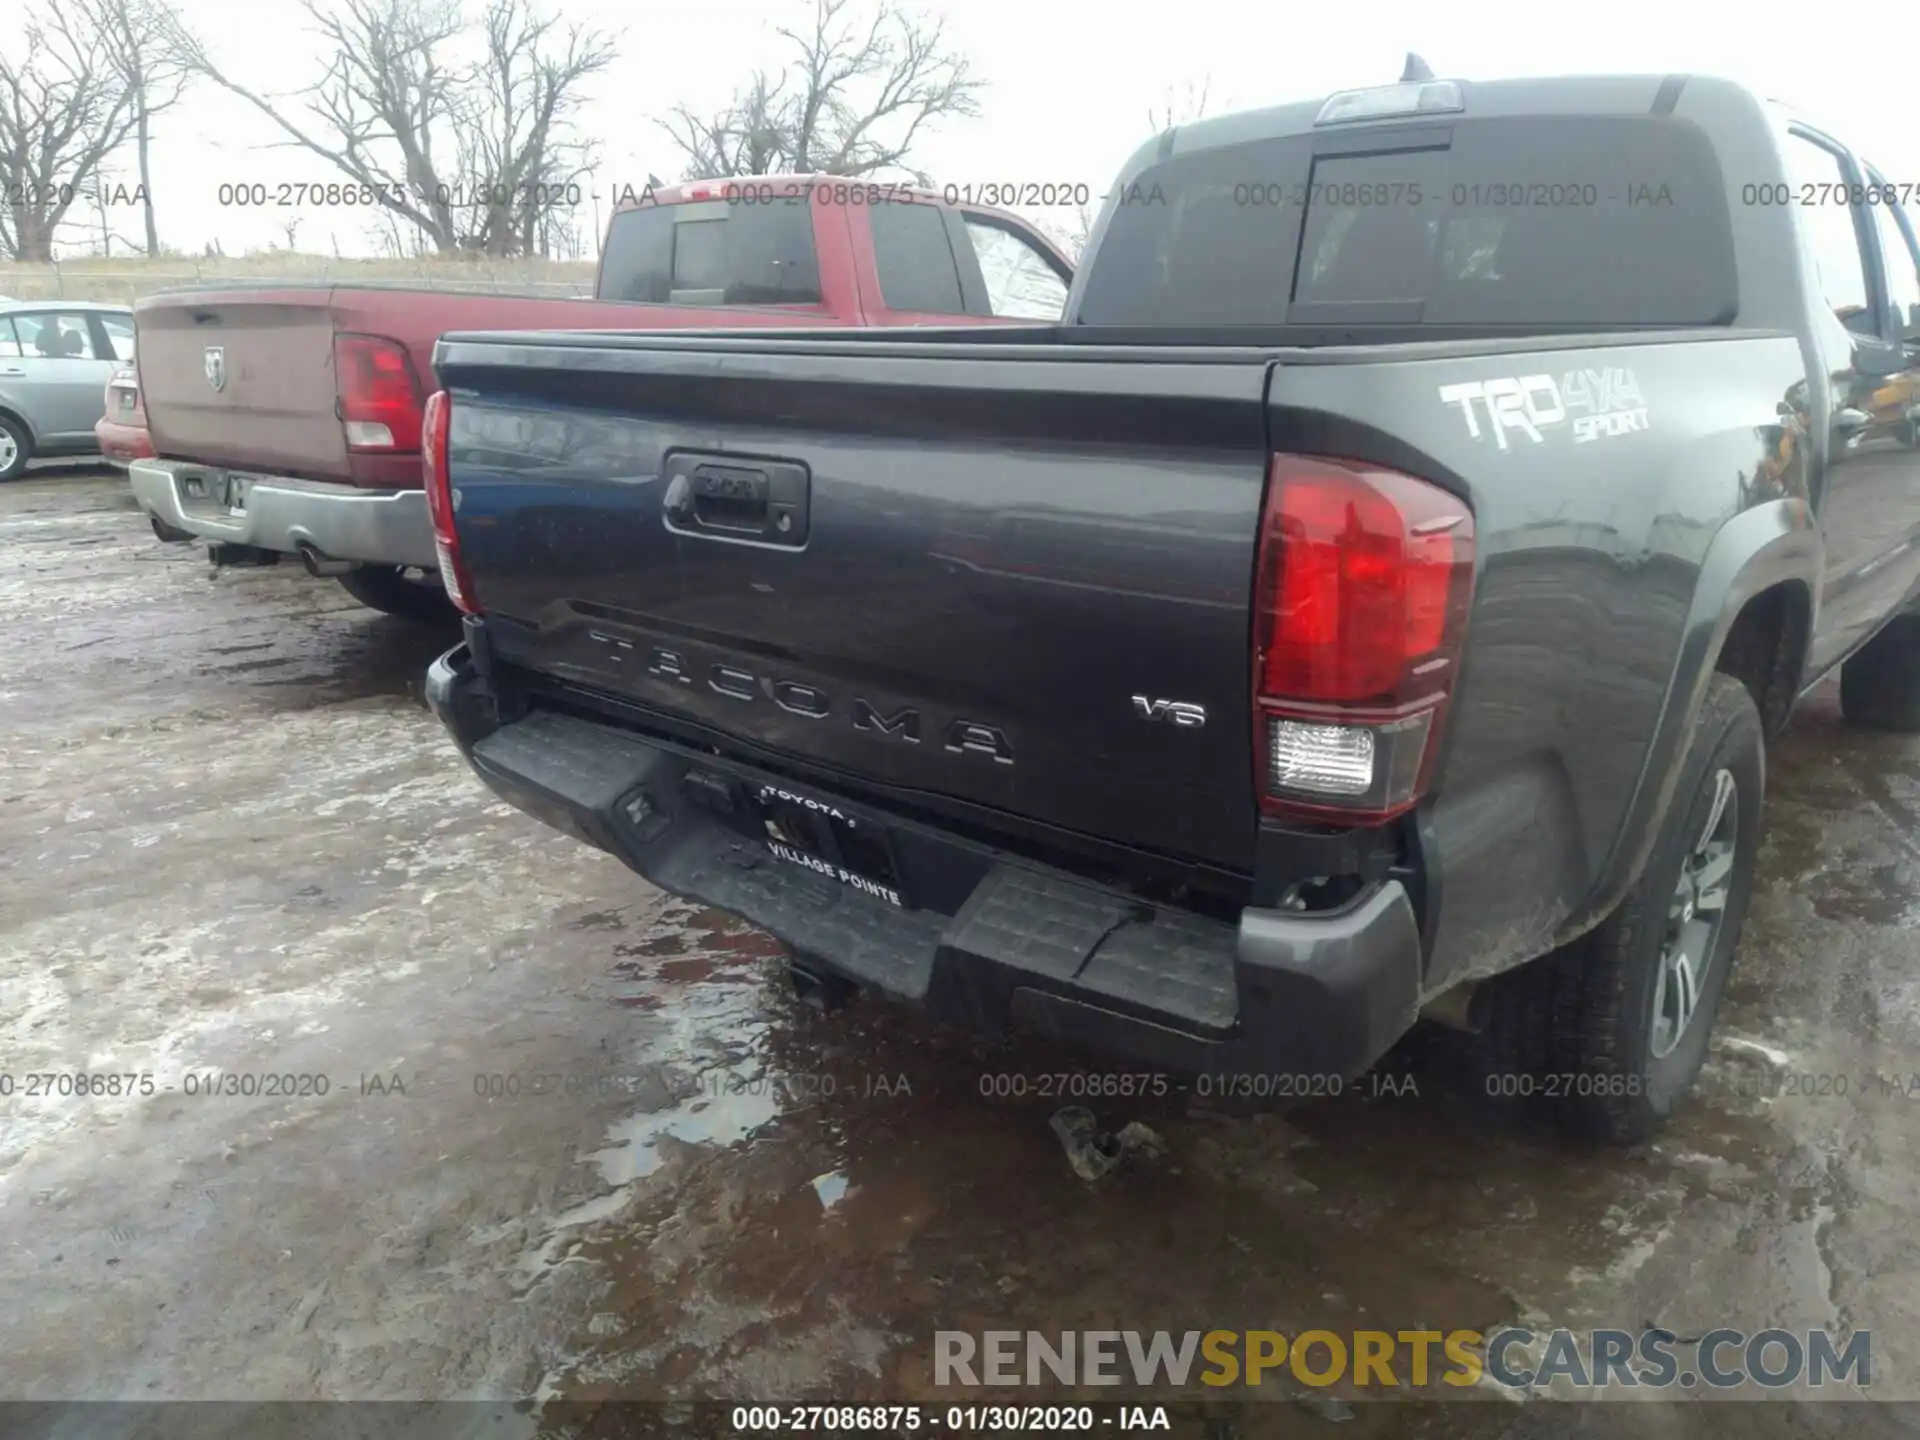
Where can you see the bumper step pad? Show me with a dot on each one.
(1020, 928)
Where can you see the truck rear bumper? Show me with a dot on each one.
(342, 522)
(1282, 994)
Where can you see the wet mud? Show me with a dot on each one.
(578, 1141)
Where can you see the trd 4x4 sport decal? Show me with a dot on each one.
(1592, 404)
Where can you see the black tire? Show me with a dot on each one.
(166, 532)
(388, 589)
(1578, 1030)
(15, 443)
(1880, 684)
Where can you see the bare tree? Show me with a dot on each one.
(513, 126)
(144, 40)
(1181, 107)
(1074, 235)
(467, 149)
(104, 185)
(64, 108)
(852, 100)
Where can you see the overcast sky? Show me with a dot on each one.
(1068, 86)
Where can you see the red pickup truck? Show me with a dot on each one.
(285, 419)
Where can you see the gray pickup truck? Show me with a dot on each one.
(1372, 600)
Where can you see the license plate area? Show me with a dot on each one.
(220, 491)
(817, 835)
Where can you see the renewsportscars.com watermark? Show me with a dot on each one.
(1389, 1359)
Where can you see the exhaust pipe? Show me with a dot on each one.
(319, 565)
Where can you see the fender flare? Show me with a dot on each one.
(1761, 547)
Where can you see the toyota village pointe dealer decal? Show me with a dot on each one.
(836, 872)
(1593, 404)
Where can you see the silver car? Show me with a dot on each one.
(55, 358)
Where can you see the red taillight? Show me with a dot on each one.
(1364, 580)
(379, 396)
(436, 425)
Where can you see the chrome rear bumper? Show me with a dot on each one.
(341, 522)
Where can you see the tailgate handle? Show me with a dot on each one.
(755, 501)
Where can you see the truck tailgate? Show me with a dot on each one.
(243, 380)
(1001, 568)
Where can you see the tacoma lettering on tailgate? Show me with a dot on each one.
(902, 725)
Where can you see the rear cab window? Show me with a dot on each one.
(1596, 221)
(713, 252)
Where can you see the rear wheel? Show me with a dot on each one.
(392, 590)
(16, 447)
(1880, 685)
(1611, 1032)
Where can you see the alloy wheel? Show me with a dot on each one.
(1694, 919)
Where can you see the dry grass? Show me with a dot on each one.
(126, 278)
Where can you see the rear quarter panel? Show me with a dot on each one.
(1589, 562)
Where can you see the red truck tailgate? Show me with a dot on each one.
(243, 379)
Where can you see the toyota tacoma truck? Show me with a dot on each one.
(1372, 600)
(285, 419)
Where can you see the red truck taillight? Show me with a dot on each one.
(379, 394)
(1362, 588)
(436, 424)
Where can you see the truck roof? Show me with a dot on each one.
(1483, 99)
(1632, 210)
